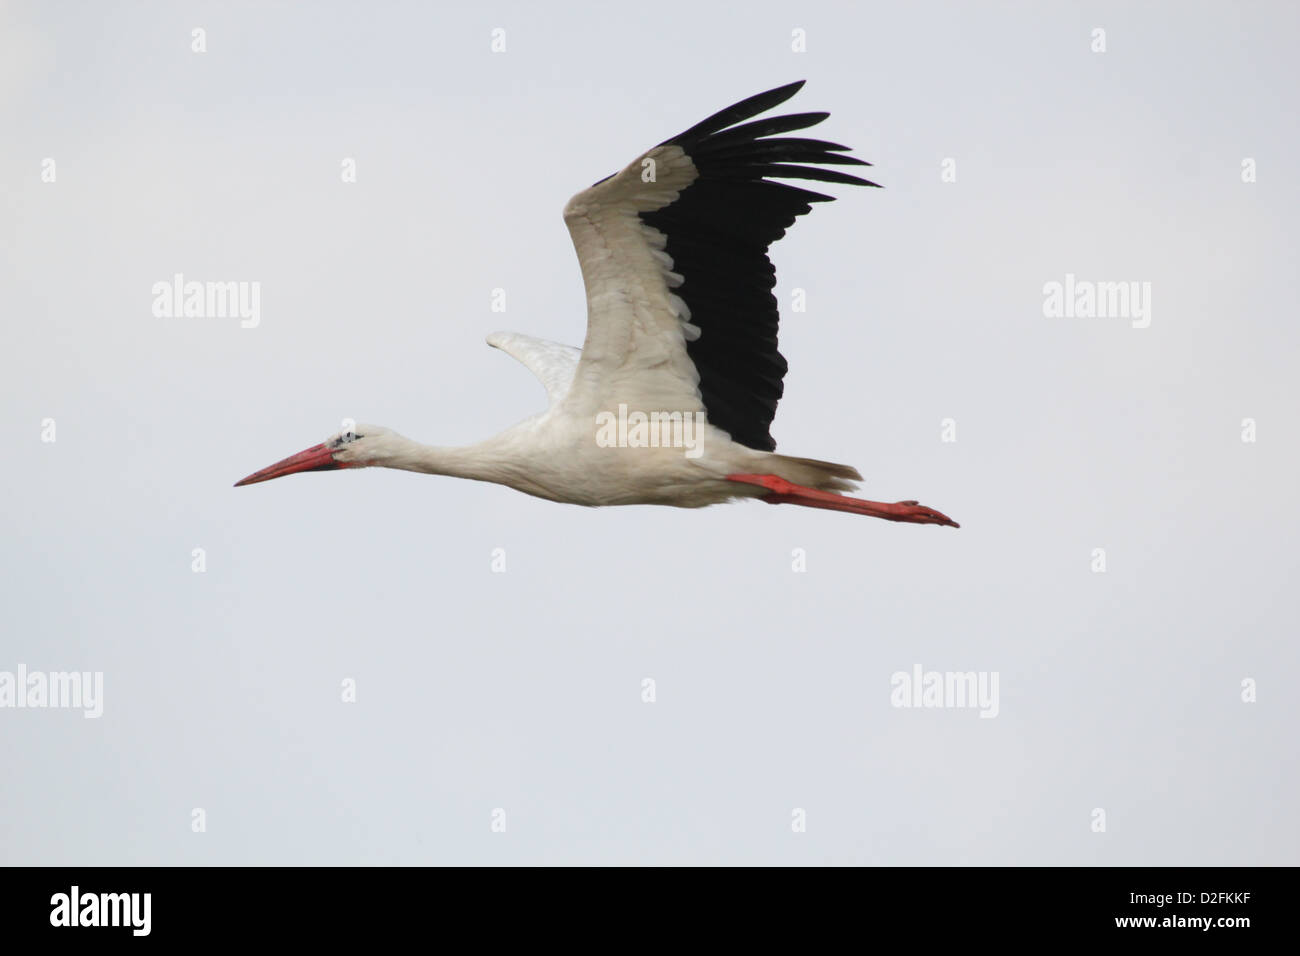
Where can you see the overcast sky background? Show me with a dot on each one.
(523, 690)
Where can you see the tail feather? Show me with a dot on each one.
(812, 473)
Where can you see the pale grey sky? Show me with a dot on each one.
(522, 690)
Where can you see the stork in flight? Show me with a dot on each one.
(670, 399)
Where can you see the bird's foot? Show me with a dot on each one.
(916, 513)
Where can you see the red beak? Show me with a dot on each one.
(315, 458)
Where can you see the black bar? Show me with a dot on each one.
(372, 904)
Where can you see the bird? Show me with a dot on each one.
(671, 398)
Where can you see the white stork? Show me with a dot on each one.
(670, 399)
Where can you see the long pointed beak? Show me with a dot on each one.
(315, 458)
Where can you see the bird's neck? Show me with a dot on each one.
(481, 462)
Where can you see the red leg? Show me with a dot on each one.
(787, 492)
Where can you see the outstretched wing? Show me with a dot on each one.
(673, 249)
(551, 362)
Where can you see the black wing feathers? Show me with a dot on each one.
(718, 232)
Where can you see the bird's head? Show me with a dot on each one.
(354, 447)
